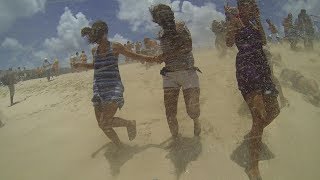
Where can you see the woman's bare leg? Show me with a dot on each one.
(256, 105)
(191, 99)
(171, 96)
(272, 108)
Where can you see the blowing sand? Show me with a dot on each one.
(51, 133)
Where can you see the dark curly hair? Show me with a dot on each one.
(160, 12)
(95, 32)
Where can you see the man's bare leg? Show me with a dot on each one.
(171, 96)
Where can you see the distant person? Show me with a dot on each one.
(73, 60)
(179, 71)
(24, 72)
(219, 29)
(138, 47)
(290, 31)
(129, 46)
(302, 84)
(287, 24)
(254, 76)
(274, 35)
(10, 79)
(305, 26)
(83, 57)
(151, 48)
(107, 85)
(47, 68)
(19, 74)
(39, 72)
(55, 68)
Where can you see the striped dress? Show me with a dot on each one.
(107, 84)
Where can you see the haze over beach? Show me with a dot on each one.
(66, 66)
(51, 133)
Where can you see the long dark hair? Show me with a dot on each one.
(164, 16)
(95, 32)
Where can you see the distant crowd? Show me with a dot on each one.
(299, 30)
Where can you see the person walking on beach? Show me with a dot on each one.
(253, 75)
(179, 71)
(107, 85)
(47, 68)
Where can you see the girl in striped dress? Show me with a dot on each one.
(107, 85)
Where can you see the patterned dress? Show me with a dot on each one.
(252, 69)
(107, 84)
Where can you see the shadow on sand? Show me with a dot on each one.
(17, 102)
(181, 153)
(241, 154)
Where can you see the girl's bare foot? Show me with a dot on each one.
(132, 130)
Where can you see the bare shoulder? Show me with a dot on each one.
(181, 26)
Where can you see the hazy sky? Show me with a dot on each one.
(34, 29)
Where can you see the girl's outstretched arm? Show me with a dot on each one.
(119, 48)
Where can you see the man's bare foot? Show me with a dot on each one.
(132, 130)
(253, 173)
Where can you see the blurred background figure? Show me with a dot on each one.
(290, 31)
(83, 57)
(306, 29)
(274, 35)
(10, 80)
(219, 29)
(47, 68)
(55, 68)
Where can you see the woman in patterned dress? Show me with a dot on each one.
(253, 76)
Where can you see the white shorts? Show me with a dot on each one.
(186, 79)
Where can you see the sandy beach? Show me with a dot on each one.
(51, 132)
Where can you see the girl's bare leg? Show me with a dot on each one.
(256, 105)
(107, 121)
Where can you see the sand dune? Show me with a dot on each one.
(51, 132)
